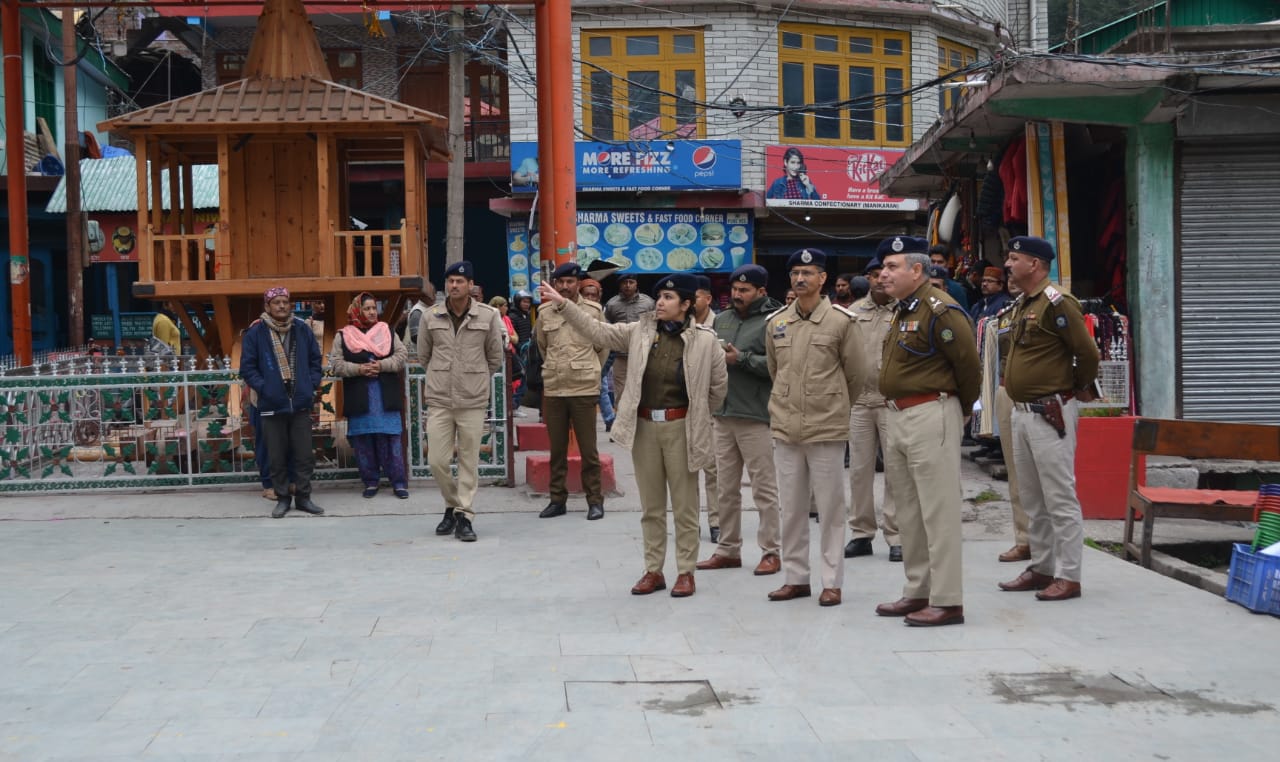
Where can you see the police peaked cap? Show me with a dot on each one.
(1029, 244)
(753, 274)
(901, 244)
(463, 268)
(683, 284)
(815, 257)
(567, 270)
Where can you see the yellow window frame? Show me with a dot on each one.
(666, 63)
(952, 56)
(846, 55)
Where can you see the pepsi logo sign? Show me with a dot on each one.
(704, 158)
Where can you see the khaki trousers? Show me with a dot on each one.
(805, 469)
(661, 457)
(619, 377)
(867, 429)
(740, 442)
(1047, 484)
(1004, 418)
(559, 414)
(461, 428)
(711, 480)
(922, 464)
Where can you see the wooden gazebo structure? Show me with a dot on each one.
(283, 139)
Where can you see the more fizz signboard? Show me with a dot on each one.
(641, 241)
(820, 177)
(686, 165)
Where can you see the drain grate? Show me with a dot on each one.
(686, 697)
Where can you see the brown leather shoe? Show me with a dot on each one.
(684, 587)
(651, 582)
(902, 606)
(770, 564)
(1027, 580)
(717, 562)
(1060, 590)
(1016, 553)
(936, 616)
(788, 592)
(830, 597)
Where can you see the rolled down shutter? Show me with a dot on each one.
(1229, 306)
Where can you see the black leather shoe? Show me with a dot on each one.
(595, 511)
(463, 530)
(552, 510)
(304, 504)
(446, 524)
(715, 534)
(282, 507)
(895, 553)
(859, 546)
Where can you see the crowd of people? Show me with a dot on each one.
(883, 369)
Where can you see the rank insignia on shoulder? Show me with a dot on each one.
(947, 335)
(1061, 321)
(1052, 294)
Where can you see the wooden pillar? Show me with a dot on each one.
(325, 212)
(146, 255)
(222, 245)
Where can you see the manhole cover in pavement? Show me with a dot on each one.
(690, 697)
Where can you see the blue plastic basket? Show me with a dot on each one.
(1254, 580)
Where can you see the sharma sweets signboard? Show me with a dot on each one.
(641, 241)
(818, 177)
(640, 165)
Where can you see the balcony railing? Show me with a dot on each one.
(363, 253)
(184, 257)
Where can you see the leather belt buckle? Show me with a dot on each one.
(664, 415)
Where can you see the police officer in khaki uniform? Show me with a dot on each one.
(571, 387)
(1052, 365)
(1021, 550)
(818, 368)
(930, 376)
(460, 342)
(869, 423)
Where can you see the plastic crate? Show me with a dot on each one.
(1254, 580)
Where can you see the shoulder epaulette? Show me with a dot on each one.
(777, 312)
(1053, 295)
(936, 305)
(847, 312)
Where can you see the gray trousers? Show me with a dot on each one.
(1047, 485)
(289, 435)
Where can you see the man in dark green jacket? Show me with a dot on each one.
(742, 425)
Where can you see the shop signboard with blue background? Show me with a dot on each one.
(684, 165)
(642, 241)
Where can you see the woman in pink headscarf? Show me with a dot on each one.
(368, 357)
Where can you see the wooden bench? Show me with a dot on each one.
(1191, 439)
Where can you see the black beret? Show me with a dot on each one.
(1036, 247)
(901, 244)
(683, 284)
(567, 270)
(626, 276)
(753, 274)
(874, 264)
(704, 283)
(463, 268)
(815, 257)
(938, 271)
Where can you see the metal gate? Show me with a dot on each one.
(1229, 271)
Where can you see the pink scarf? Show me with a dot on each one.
(376, 340)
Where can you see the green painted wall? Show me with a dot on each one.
(1151, 275)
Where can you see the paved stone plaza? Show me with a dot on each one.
(365, 637)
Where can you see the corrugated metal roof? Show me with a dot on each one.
(111, 185)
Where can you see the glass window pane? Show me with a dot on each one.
(599, 46)
(956, 63)
(862, 116)
(892, 47)
(601, 105)
(642, 104)
(860, 45)
(685, 43)
(895, 129)
(826, 43)
(646, 45)
(826, 89)
(793, 95)
(686, 107)
(347, 60)
(792, 40)
(942, 56)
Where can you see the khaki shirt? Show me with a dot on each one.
(461, 362)
(818, 371)
(930, 348)
(1004, 334)
(571, 363)
(1050, 350)
(872, 321)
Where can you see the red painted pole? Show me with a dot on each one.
(546, 149)
(559, 61)
(19, 249)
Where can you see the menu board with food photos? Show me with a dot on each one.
(640, 242)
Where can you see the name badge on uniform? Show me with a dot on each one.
(908, 326)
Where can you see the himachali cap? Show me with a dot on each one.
(567, 270)
(682, 283)
(273, 292)
(463, 268)
(815, 257)
(704, 283)
(1030, 245)
(753, 274)
(993, 272)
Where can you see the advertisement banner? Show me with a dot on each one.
(641, 241)
(820, 177)
(640, 166)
